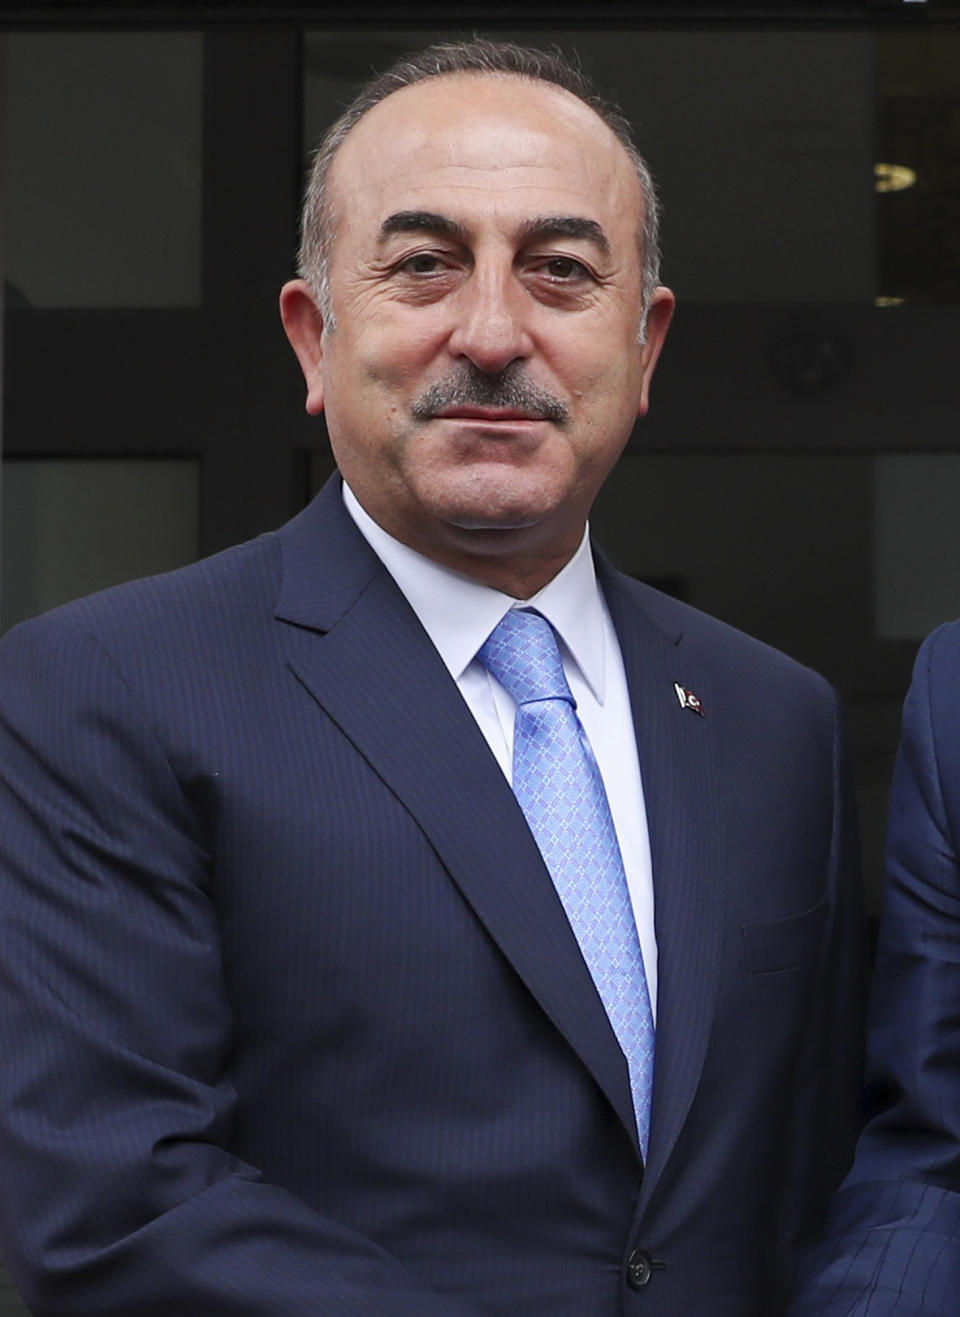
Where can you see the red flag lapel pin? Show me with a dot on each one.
(688, 700)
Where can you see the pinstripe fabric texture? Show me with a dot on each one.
(292, 1019)
(892, 1243)
(560, 790)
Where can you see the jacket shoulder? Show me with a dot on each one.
(224, 586)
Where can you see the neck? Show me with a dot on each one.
(516, 561)
(500, 560)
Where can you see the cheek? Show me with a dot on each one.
(606, 396)
(596, 364)
(606, 393)
(398, 351)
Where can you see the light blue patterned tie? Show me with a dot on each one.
(558, 785)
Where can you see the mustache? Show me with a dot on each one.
(471, 387)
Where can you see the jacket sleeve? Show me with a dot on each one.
(892, 1247)
(829, 1112)
(118, 1194)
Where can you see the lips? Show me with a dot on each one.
(487, 414)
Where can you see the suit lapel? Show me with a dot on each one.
(361, 653)
(685, 820)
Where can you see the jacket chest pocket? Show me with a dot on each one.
(787, 943)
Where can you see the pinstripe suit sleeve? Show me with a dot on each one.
(118, 1193)
(892, 1247)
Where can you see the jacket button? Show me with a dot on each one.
(639, 1269)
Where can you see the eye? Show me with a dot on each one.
(564, 268)
(422, 263)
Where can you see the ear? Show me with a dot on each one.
(304, 328)
(659, 315)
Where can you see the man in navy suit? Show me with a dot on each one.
(893, 1248)
(294, 1019)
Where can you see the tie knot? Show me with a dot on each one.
(522, 653)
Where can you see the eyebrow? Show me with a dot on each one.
(566, 226)
(421, 221)
(541, 228)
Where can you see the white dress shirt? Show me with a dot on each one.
(458, 615)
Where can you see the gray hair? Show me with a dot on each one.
(437, 61)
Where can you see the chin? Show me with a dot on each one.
(496, 504)
(493, 519)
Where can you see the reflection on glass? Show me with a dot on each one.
(102, 162)
(916, 543)
(918, 127)
(71, 526)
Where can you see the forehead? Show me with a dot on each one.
(470, 145)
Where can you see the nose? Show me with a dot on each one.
(491, 310)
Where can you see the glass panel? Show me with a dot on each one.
(71, 526)
(918, 106)
(102, 160)
(917, 543)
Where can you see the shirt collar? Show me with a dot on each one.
(458, 613)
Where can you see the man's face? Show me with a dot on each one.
(484, 371)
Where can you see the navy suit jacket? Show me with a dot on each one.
(291, 1017)
(893, 1249)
